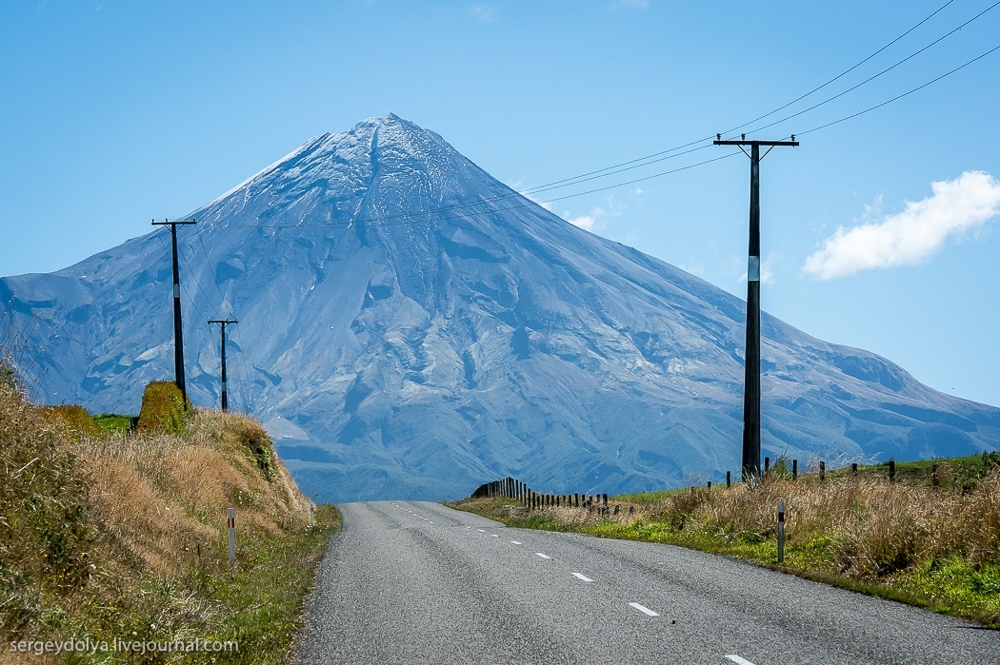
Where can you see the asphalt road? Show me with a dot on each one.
(420, 583)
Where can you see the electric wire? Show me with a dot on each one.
(679, 150)
(841, 74)
(225, 305)
(875, 76)
(634, 163)
(404, 218)
(905, 94)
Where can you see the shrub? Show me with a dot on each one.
(163, 410)
(78, 422)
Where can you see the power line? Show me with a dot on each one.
(905, 94)
(662, 155)
(841, 74)
(208, 261)
(402, 218)
(875, 76)
(573, 179)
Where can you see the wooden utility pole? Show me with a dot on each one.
(751, 391)
(178, 338)
(222, 324)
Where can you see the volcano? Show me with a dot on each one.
(409, 327)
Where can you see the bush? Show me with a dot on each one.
(163, 409)
(76, 418)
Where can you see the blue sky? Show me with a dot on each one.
(878, 232)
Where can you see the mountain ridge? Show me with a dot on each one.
(415, 327)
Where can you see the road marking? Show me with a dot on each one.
(516, 543)
(738, 660)
(493, 535)
(649, 612)
(544, 556)
(582, 577)
(481, 530)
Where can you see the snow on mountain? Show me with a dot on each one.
(410, 327)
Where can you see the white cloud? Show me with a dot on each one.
(589, 222)
(545, 204)
(597, 218)
(909, 237)
(483, 13)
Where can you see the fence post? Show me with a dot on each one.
(892, 471)
(935, 481)
(854, 469)
(710, 484)
(729, 480)
(605, 500)
(822, 471)
(795, 469)
(767, 464)
(312, 514)
(231, 523)
(781, 531)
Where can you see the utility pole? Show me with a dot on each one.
(222, 324)
(751, 390)
(178, 340)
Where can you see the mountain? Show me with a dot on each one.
(409, 327)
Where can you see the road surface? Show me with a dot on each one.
(413, 582)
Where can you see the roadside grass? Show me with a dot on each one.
(113, 423)
(116, 535)
(937, 548)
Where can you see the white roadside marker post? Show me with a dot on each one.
(781, 531)
(312, 514)
(232, 535)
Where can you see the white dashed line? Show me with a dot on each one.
(648, 612)
(493, 535)
(481, 530)
(738, 660)
(543, 556)
(582, 577)
(514, 542)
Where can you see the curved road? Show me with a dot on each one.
(410, 582)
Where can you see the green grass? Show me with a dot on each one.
(113, 423)
(262, 598)
(257, 603)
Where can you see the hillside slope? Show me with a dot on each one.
(123, 537)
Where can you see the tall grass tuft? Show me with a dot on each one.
(163, 409)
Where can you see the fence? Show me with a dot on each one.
(511, 488)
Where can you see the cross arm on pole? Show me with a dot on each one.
(758, 143)
(167, 222)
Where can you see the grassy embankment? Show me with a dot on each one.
(111, 535)
(934, 547)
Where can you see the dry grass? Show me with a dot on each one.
(162, 500)
(124, 535)
(931, 546)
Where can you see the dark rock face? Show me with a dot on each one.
(410, 328)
